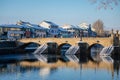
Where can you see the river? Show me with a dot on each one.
(55, 67)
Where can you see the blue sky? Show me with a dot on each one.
(58, 11)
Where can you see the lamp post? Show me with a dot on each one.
(81, 32)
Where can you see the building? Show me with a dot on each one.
(52, 28)
(24, 29)
(73, 31)
(88, 31)
(11, 31)
(63, 33)
(35, 30)
(21, 30)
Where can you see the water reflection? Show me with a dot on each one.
(44, 72)
(42, 58)
(99, 58)
(72, 58)
(37, 68)
(107, 59)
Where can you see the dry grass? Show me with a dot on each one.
(38, 64)
(50, 65)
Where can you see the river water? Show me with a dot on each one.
(55, 67)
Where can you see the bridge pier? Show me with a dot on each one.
(83, 47)
(52, 48)
(116, 53)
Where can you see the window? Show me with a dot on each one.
(52, 31)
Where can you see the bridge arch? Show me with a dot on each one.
(33, 44)
(61, 46)
(95, 45)
(90, 46)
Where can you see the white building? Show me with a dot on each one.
(53, 29)
(87, 30)
(73, 30)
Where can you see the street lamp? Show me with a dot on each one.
(81, 32)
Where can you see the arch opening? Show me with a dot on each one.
(94, 51)
(31, 46)
(63, 48)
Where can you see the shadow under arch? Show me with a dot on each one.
(96, 45)
(60, 47)
(27, 44)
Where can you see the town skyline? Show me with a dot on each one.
(61, 12)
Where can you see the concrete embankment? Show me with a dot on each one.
(8, 47)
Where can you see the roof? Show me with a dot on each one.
(47, 24)
(36, 26)
(23, 25)
(84, 25)
(29, 25)
(61, 29)
(67, 26)
(51, 23)
(11, 26)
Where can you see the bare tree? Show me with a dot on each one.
(99, 27)
(105, 3)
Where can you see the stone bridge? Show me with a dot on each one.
(55, 44)
(72, 41)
